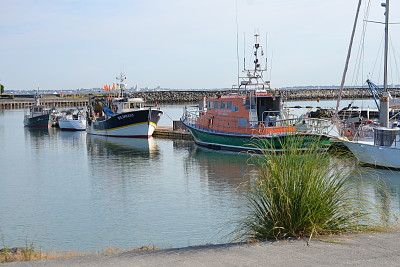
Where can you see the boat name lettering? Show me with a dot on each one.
(125, 116)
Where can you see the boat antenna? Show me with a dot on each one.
(336, 117)
(237, 43)
(122, 85)
(36, 101)
(266, 50)
(244, 51)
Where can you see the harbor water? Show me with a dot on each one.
(71, 191)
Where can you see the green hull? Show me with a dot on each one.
(243, 143)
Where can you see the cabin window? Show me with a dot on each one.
(235, 108)
(209, 105)
(126, 105)
(223, 104)
(216, 106)
(242, 123)
(250, 103)
(229, 105)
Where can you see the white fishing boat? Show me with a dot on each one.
(378, 146)
(73, 121)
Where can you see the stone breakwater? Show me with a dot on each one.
(288, 95)
(180, 96)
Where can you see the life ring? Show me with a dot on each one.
(115, 108)
(261, 125)
(349, 132)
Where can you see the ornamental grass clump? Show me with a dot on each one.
(300, 193)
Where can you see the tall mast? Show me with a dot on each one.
(347, 60)
(252, 78)
(384, 101)
(386, 5)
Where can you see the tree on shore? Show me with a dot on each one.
(1, 89)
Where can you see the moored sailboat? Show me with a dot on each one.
(379, 146)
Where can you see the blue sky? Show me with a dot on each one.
(70, 44)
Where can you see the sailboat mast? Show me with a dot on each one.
(386, 45)
(384, 101)
(347, 61)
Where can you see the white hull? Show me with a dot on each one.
(71, 124)
(135, 130)
(375, 155)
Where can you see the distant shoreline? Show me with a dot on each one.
(174, 97)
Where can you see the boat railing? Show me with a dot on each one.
(367, 133)
(356, 131)
(233, 125)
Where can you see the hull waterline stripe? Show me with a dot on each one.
(121, 127)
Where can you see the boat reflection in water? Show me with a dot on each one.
(222, 170)
(382, 189)
(38, 136)
(123, 150)
(391, 179)
(73, 138)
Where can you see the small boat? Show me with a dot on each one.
(37, 115)
(73, 121)
(121, 116)
(253, 112)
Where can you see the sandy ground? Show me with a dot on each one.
(361, 249)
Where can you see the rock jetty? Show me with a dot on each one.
(191, 96)
(287, 94)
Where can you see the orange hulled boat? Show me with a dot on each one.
(253, 112)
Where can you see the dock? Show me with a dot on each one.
(169, 133)
(20, 103)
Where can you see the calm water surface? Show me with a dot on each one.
(68, 190)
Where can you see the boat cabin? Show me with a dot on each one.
(35, 110)
(234, 111)
(121, 105)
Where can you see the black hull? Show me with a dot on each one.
(42, 121)
(127, 124)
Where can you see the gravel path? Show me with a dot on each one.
(362, 249)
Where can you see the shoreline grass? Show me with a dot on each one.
(29, 253)
(302, 193)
